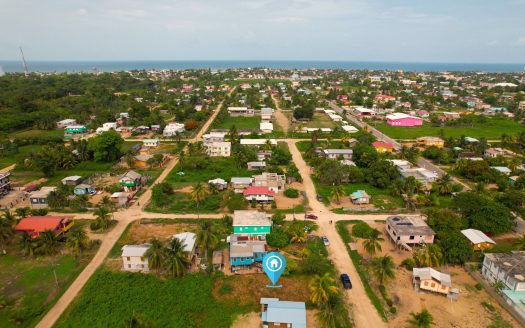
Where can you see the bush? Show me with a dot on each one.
(291, 193)
(393, 310)
(478, 286)
(225, 289)
(361, 230)
(408, 264)
(278, 238)
(237, 202)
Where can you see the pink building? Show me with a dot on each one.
(401, 119)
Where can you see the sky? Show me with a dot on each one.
(484, 31)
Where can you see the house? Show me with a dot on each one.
(478, 239)
(214, 136)
(120, 198)
(217, 260)
(382, 147)
(273, 181)
(259, 194)
(430, 141)
(401, 164)
(38, 199)
(509, 270)
(240, 183)
(106, 127)
(496, 152)
(246, 250)
(502, 169)
(431, 280)
(172, 129)
(65, 123)
(241, 111)
(218, 148)
(34, 225)
(363, 112)
(151, 143)
(422, 175)
(84, 189)
(349, 129)
(266, 127)
(134, 258)
(250, 222)
(338, 153)
(257, 142)
(401, 119)
(264, 155)
(188, 239)
(74, 130)
(254, 166)
(266, 114)
(277, 313)
(220, 184)
(405, 230)
(131, 180)
(72, 180)
(5, 183)
(360, 197)
(450, 116)
(470, 140)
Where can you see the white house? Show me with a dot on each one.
(214, 136)
(188, 239)
(172, 129)
(336, 153)
(134, 259)
(257, 142)
(65, 123)
(508, 268)
(152, 143)
(241, 111)
(349, 129)
(219, 149)
(266, 114)
(266, 127)
(106, 127)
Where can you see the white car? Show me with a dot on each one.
(326, 242)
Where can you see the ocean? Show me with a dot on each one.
(113, 66)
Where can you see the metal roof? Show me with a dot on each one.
(476, 236)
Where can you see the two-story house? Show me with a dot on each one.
(246, 250)
(249, 222)
(409, 230)
(134, 258)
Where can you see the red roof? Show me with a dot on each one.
(253, 190)
(382, 144)
(37, 224)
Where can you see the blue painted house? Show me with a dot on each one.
(246, 251)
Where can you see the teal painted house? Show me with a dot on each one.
(246, 250)
(72, 130)
(252, 223)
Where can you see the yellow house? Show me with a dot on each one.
(430, 141)
(431, 280)
(478, 239)
(382, 147)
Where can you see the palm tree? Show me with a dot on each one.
(480, 188)
(328, 314)
(106, 202)
(23, 212)
(519, 243)
(47, 243)
(206, 237)
(213, 189)
(156, 255)
(77, 240)
(421, 319)
(27, 244)
(429, 256)
(9, 217)
(444, 186)
(102, 218)
(382, 269)
(176, 261)
(298, 236)
(337, 193)
(322, 288)
(373, 242)
(6, 232)
(233, 134)
(198, 194)
(130, 161)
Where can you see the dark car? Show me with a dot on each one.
(345, 279)
(319, 197)
(310, 216)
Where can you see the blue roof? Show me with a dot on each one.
(286, 312)
(516, 297)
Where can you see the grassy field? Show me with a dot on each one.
(492, 129)
(22, 154)
(28, 285)
(36, 133)
(182, 203)
(241, 123)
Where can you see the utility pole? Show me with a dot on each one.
(24, 62)
(54, 265)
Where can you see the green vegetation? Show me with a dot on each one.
(181, 302)
(491, 129)
(241, 123)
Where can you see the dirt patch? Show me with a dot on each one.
(284, 202)
(101, 182)
(248, 289)
(97, 198)
(186, 190)
(140, 233)
(346, 202)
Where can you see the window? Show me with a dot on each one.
(128, 258)
(411, 238)
(433, 285)
(142, 258)
(129, 266)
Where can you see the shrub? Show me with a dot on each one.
(361, 230)
(291, 193)
(408, 264)
(225, 289)
(478, 286)
(237, 202)
(393, 310)
(278, 238)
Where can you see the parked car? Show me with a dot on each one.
(326, 242)
(310, 216)
(345, 279)
(319, 197)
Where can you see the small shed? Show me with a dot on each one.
(72, 180)
(84, 189)
(360, 197)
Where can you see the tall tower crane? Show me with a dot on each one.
(24, 61)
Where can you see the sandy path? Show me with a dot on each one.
(281, 119)
(363, 312)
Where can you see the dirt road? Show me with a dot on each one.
(363, 312)
(281, 119)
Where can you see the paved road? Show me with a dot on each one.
(421, 162)
(363, 312)
(123, 217)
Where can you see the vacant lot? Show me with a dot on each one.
(492, 129)
(241, 123)
(33, 134)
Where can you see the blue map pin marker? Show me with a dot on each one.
(273, 265)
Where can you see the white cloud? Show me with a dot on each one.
(521, 41)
